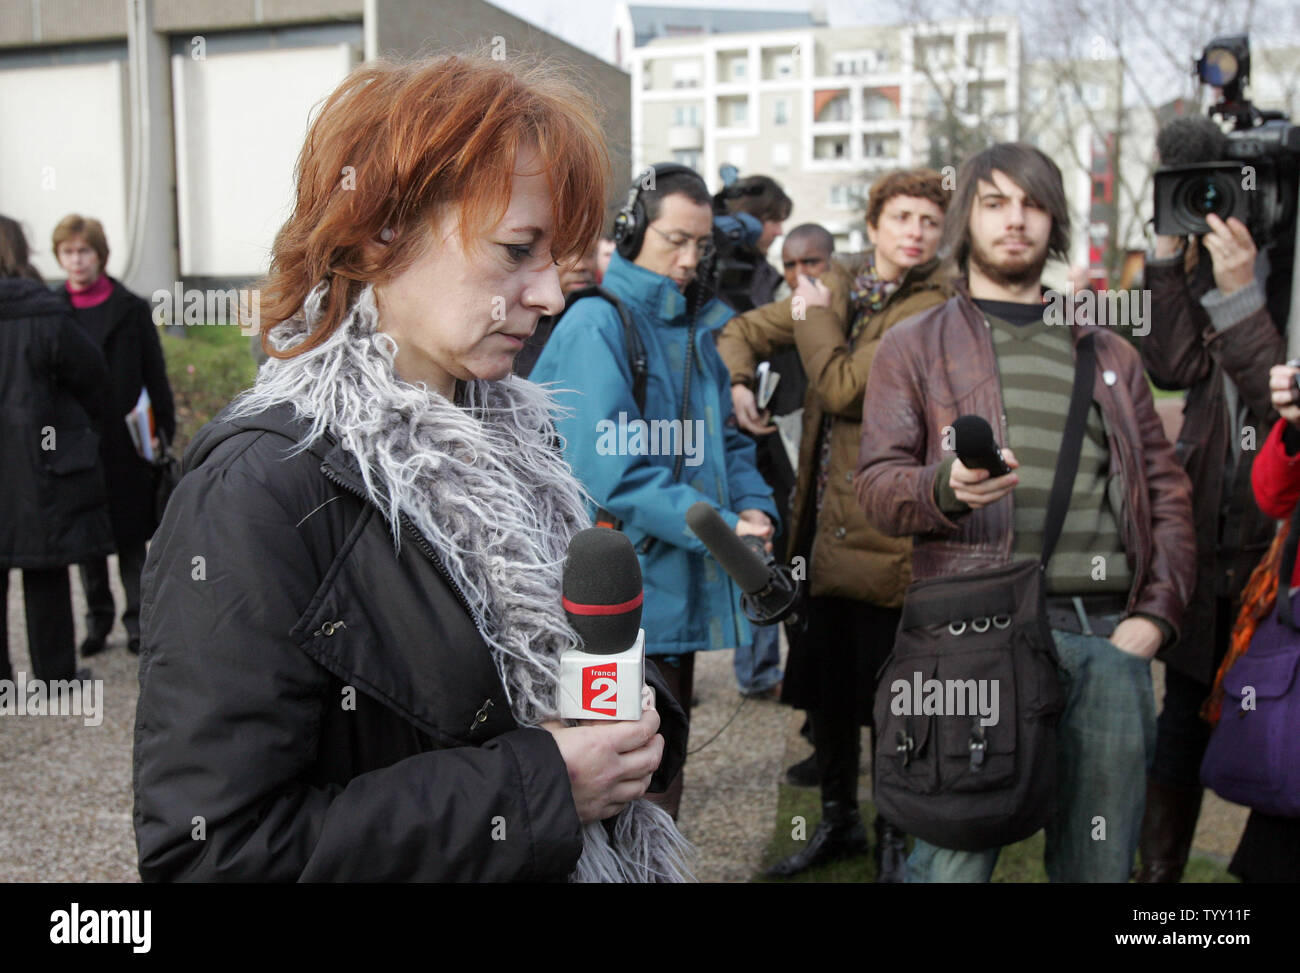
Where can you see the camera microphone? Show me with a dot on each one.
(974, 445)
(770, 591)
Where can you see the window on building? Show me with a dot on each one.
(739, 68)
(780, 112)
(740, 112)
(686, 74)
(780, 154)
(783, 65)
(985, 52)
(1093, 95)
(687, 157)
(686, 115)
(876, 107)
(838, 109)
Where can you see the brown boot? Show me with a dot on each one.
(1167, 830)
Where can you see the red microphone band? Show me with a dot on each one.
(626, 606)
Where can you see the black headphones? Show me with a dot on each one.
(630, 223)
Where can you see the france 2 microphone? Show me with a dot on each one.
(605, 679)
(770, 591)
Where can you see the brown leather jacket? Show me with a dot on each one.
(940, 365)
(1184, 351)
(849, 558)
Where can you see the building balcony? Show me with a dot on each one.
(685, 137)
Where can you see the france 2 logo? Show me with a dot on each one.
(600, 688)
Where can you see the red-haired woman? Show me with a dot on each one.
(352, 612)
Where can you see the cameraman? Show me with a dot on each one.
(762, 198)
(1213, 336)
(746, 281)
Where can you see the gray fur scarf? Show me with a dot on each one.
(483, 483)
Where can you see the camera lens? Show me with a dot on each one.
(1205, 197)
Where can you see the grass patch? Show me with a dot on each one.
(1021, 862)
(207, 368)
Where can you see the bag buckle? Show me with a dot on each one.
(978, 745)
(904, 744)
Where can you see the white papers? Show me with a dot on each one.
(139, 423)
(767, 380)
(790, 429)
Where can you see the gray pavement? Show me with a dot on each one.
(65, 787)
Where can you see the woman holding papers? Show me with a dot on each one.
(119, 324)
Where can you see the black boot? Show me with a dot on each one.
(838, 835)
(890, 853)
(93, 644)
(1168, 826)
(804, 773)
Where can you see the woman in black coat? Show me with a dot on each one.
(352, 610)
(52, 508)
(119, 324)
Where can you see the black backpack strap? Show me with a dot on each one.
(1286, 570)
(637, 360)
(1067, 462)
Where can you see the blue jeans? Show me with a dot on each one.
(758, 665)
(1105, 744)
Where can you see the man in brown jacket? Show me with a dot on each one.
(855, 574)
(1124, 564)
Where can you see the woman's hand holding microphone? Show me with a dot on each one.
(610, 762)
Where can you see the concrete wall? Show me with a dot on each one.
(409, 27)
(46, 172)
(30, 22)
(240, 121)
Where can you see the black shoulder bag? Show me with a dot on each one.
(941, 773)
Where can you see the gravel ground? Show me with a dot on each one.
(65, 787)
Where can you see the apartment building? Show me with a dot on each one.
(823, 110)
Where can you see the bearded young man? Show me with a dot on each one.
(1124, 566)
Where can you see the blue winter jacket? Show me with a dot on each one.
(690, 603)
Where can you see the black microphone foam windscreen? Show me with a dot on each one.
(602, 590)
(741, 564)
(973, 436)
(1189, 140)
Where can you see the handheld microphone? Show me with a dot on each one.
(770, 591)
(602, 596)
(974, 445)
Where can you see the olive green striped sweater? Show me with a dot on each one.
(1036, 367)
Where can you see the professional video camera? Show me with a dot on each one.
(1257, 181)
(735, 240)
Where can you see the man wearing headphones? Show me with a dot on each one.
(645, 466)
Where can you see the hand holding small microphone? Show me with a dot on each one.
(610, 763)
(982, 474)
